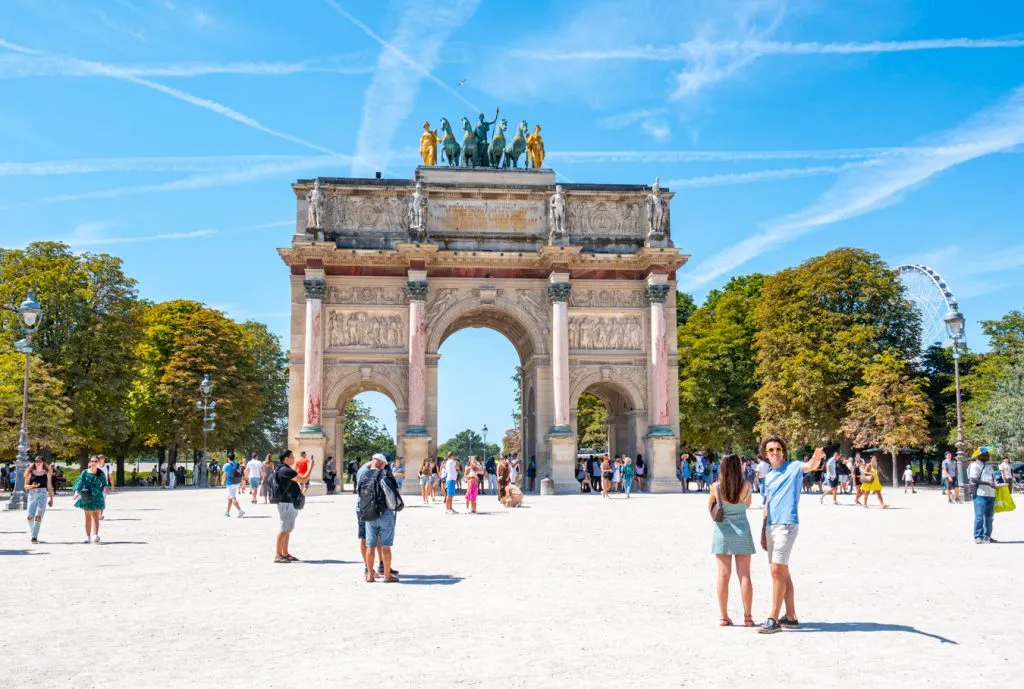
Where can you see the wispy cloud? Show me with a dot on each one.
(689, 50)
(694, 156)
(102, 69)
(999, 128)
(22, 66)
(977, 271)
(403, 62)
(78, 166)
(91, 234)
(207, 181)
(731, 178)
(651, 120)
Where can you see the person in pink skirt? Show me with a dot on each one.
(473, 486)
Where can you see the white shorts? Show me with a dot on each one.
(780, 542)
(232, 491)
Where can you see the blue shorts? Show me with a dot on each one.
(254, 483)
(381, 531)
(449, 488)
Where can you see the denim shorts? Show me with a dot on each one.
(381, 531)
(254, 483)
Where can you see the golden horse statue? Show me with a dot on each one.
(535, 147)
(428, 145)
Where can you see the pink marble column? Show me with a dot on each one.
(313, 355)
(659, 419)
(558, 293)
(417, 292)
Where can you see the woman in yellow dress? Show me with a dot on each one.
(871, 483)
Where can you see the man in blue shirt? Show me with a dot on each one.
(232, 479)
(782, 489)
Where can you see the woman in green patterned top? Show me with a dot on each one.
(89, 493)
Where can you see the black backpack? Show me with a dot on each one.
(273, 488)
(372, 501)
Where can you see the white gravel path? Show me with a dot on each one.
(570, 591)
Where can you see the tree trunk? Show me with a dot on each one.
(895, 468)
(83, 459)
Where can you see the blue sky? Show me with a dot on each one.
(167, 132)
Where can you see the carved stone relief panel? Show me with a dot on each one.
(365, 329)
(633, 298)
(365, 295)
(439, 301)
(606, 219)
(461, 215)
(359, 213)
(606, 332)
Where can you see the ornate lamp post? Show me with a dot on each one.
(206, 407)
(485, 442)
(955, 326)
(29, 314)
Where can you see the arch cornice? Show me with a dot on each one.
(525, 324)
(615, 377)
(342, 383)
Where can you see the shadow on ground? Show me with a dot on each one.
(429, 579)
(840, 627)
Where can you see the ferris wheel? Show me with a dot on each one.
(926, 289)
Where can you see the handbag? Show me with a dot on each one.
(300, 501)
(716, 509)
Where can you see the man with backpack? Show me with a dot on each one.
(379, 501)
(285, 492)
(232, 479)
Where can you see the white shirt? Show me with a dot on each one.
(982, 472)
(451, 470)
(908, 474)
(254, 467)
(1007, 471)
(763, 467)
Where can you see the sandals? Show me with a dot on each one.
(748, 621)
(390, 579)
(370, 578)
(281, 560)
(725, 622)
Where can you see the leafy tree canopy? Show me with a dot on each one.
(466, 443)
(591, 423)
(364, 433)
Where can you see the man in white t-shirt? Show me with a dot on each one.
(253, 474)
(908, 479)
(982, 478)
(763, 467)
(450, 478)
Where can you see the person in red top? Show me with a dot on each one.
(302, 465)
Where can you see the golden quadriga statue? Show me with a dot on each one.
(535, 147)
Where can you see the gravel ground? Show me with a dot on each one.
(568, 591)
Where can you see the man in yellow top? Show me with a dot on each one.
(428, 145)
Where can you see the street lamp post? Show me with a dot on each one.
(485, 442)
(206, 406)
(955, 326)
(29, 314)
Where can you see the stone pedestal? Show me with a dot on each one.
(562, 450)
(661, 451)
(315, 447)
(547, 486)
(415, 448)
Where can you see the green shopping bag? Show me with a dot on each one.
(1004, 501)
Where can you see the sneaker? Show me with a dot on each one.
(35, 540)
(979, 540)
(88, 540)
(991, 540)
(227, 514)
(769, 626)
(241, 514)
(96, 538)
(788, 623)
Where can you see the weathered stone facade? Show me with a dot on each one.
(579, 313)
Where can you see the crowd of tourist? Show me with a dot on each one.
(605, 475)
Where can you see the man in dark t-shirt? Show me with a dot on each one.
(288, 490)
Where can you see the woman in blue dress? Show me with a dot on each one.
(731, 537)
(89, 489)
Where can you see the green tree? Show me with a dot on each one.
(717, 376)
(1006, 341)
(182, 341)
(466, 443)
(685, 307)
(1001, 420)
(818, 327)
(90, 327)
(49, 416)
(890, 410)
(591, 423)
(270, 365)
(512, 441)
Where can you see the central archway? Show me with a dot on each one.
(521, 322)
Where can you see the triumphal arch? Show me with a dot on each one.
(579, 277)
